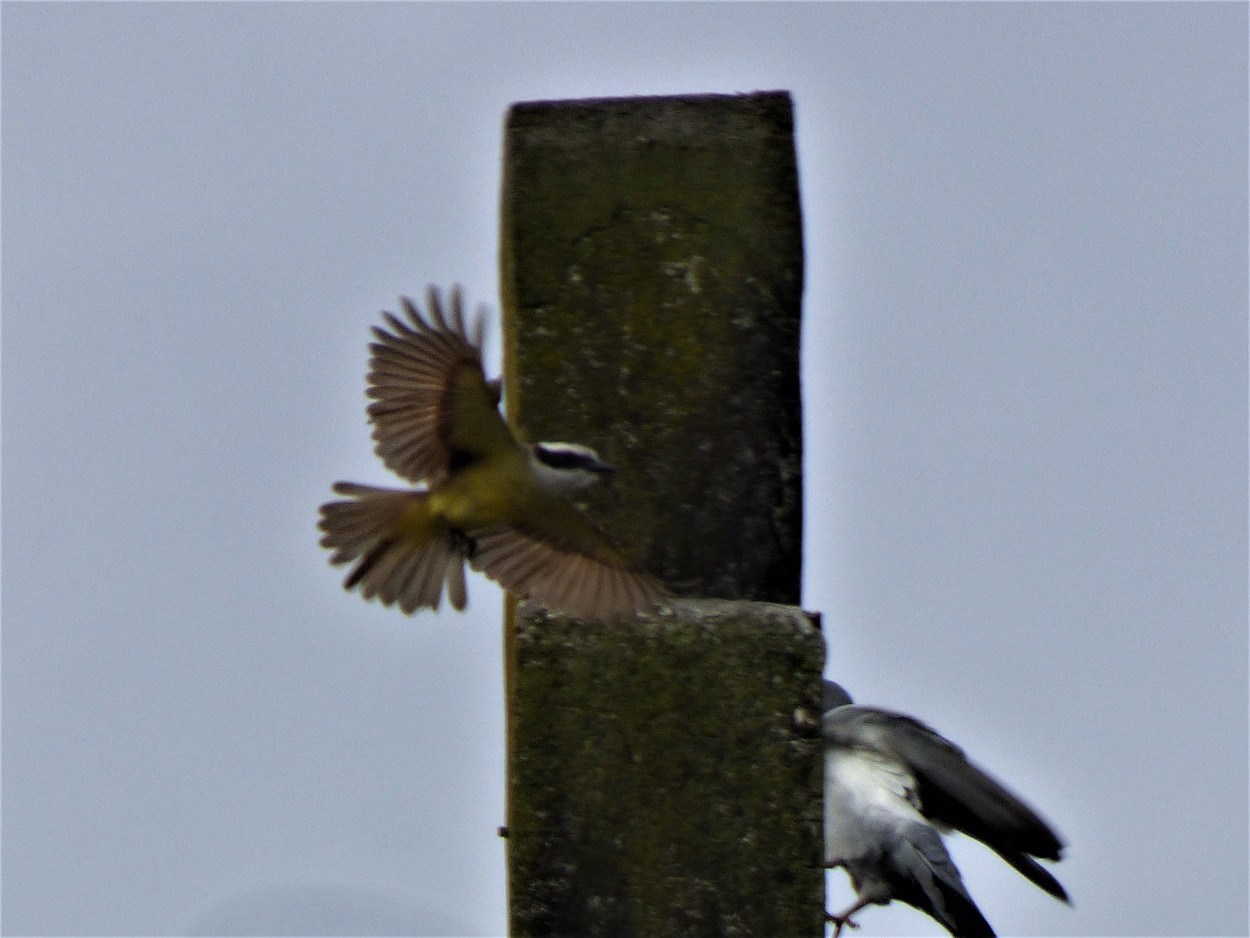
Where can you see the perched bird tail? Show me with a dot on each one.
(930, 882)
(962, 918)
(405, 553)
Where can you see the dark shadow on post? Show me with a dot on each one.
(652, 278)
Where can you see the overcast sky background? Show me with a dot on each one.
(1025, 346)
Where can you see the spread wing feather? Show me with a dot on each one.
(566, 564)
(957, 793)
(431, 403)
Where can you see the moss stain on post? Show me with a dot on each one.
(661, 805)
(652, 279)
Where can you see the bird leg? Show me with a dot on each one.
(838, 922)
(843, 919)
(463, 544)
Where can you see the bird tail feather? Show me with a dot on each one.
(403, 553)
(933, 883)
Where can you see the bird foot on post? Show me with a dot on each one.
(840, 921)
(843, 919)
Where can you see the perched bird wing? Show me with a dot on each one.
(557, 557)
(875, 829)
(433, 408)
(405, 554)
(957, 793)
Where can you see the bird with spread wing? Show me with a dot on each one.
(504, 507)
(893, 786)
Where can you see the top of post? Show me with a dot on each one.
(651, 283)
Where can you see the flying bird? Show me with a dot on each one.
(892, 786)
(504, 507)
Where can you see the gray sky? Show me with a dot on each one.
(1025, 383)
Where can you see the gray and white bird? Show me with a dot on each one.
(893, 786)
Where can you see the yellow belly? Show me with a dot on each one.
(484, 493)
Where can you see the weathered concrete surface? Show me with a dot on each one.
(666, 789)
(651, 277)
(651, 281)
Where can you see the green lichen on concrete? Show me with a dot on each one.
(659, 783)
(652, 278)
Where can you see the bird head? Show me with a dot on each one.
(567, 468)
(833, 695)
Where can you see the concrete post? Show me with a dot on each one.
(651, 277)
